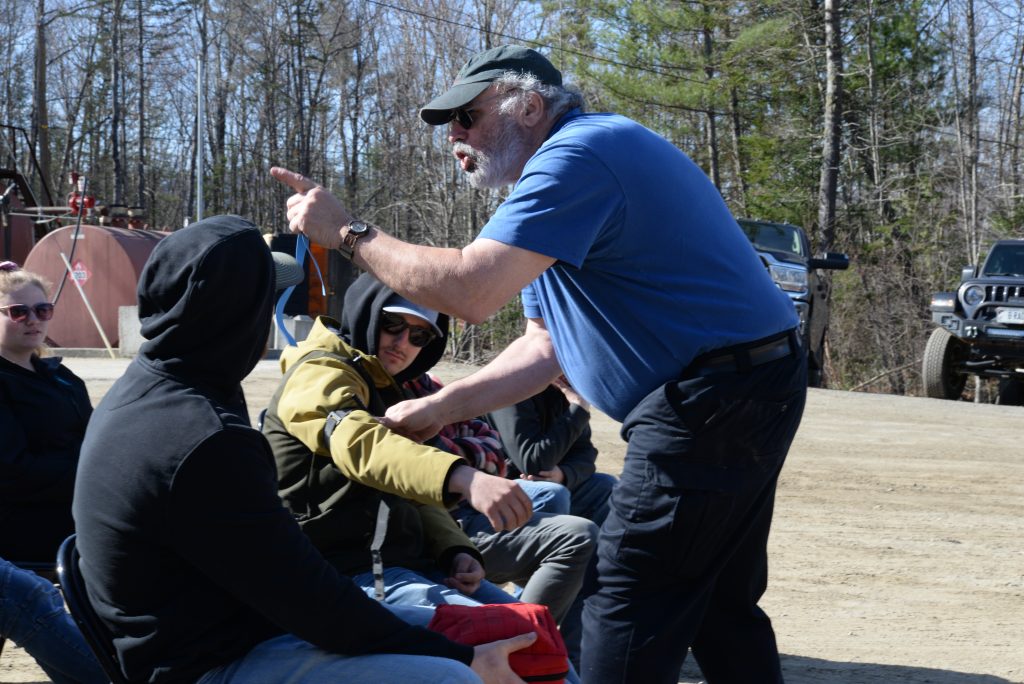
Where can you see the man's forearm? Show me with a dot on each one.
(431, 276)
(470, 283)
(524, 368)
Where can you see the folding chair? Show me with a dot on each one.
(96, 634)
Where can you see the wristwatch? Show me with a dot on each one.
(356, 230)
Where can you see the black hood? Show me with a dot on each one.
(360, 323)
(205, 303)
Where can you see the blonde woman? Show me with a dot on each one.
(44, 408)
(43, 411)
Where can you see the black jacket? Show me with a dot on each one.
(544, 431)
(42, 422)
(187, 552)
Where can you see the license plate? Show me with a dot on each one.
(1008, 315)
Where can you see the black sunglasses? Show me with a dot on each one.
(20, 312)
(463, 115)
(393, 324)
(464, 118)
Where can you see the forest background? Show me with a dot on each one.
(889, 129)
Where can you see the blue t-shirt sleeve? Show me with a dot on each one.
(531, 307)
(563, 203)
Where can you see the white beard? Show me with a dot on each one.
(502, 162)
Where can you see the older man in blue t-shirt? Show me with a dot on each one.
(639, 286)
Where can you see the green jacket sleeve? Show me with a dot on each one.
(363, 450)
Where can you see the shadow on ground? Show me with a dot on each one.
(801, 670)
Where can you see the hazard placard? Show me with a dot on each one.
(80, 273)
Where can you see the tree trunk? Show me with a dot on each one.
(41, 127)
(115, 103)
(1012, 137)
(739, 170)
(832, 129)
(974, 134)
(140, 200)
(712, 123)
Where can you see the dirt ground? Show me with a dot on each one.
(897, 552)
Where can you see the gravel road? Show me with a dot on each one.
(897, 552)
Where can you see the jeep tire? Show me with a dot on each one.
(940, 372)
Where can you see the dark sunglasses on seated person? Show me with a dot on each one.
(393, 324)
(19, 312)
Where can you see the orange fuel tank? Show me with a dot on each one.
(106, 262)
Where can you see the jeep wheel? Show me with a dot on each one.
(940, 371)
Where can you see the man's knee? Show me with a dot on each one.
(577, 535)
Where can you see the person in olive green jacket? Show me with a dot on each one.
(373, 502)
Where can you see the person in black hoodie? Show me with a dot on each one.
(188, 554)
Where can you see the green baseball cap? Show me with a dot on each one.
(483, 69)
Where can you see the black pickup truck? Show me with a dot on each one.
(786, 253)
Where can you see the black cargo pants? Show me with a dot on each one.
(682, 558)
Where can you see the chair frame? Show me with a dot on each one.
(97, 635)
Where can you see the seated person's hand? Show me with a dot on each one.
(504, 502)
(554, 475)
(466, 574)
(490, 661)
(570, 394)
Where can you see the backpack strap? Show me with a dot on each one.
(380, 531)
(377, 407)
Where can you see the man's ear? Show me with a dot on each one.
(535, 112)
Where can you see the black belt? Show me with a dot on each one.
(743, 357)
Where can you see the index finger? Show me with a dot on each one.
(518, 642)
(296, 181)
(399, 428)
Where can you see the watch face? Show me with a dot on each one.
(358, 228)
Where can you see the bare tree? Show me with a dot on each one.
(831, 125)
(41, 120)
(116, 102)
(140, 56)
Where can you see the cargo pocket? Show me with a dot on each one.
(670, 520)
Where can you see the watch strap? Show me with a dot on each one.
(356, 230)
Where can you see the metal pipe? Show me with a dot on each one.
(88, 306)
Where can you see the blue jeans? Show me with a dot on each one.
(32, 615)
(290, 660)
(546, 497)
(279, 657)
(589, 500)
(403, 587)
